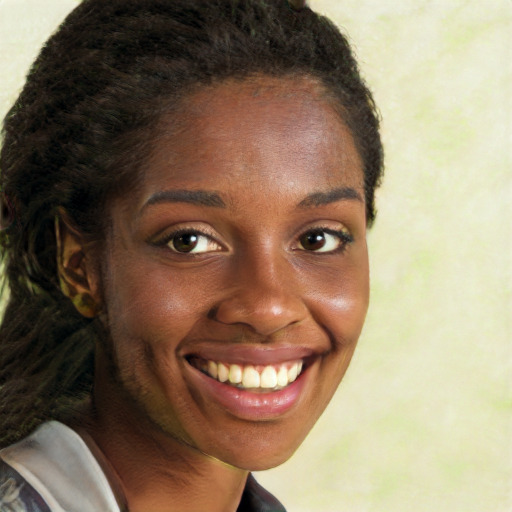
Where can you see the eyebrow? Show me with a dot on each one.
(213, 199)
(331, 196)
(199, 197)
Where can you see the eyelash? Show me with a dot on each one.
(166, 240)
(344, 237)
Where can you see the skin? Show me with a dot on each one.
(281, 163)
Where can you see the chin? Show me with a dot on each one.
(261, 447)
(259, 460)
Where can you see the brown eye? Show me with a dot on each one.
(323, 240)
(184, 242)
(187, 242)
(313, 240)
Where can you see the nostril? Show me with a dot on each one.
(264, 317)
(212, 314)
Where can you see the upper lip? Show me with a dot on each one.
(250, 354)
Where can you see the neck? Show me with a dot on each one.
(154, 471)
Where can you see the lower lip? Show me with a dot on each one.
(244, 404)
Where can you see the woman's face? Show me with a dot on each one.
(239, 262)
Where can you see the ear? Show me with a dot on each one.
(78, 271)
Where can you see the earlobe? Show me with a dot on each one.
(77, 277)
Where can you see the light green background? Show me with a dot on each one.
(422, 421)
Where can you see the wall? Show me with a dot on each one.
(422, 420)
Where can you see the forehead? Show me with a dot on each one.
(286, 130)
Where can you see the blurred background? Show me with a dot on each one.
(423, 419)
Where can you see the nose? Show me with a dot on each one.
(265, 296)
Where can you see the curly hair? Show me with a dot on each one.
(82, 127)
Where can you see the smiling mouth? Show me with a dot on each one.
(255, 378)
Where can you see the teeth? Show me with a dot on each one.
(235, 374)
(222, 372)
(251, 377)
(282, 376)
(213, 369)
(268, 377)
(292, 373)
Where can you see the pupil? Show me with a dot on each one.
(313, 240)
(185, 242)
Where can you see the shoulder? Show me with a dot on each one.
(257, 499)
(52, 470)
(16, 494)
(56, 464)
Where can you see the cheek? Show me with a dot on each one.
(339, 298)
(155, 304)
(150, 311)
(340, 310)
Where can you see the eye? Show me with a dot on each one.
(324, 240)
(195, 242)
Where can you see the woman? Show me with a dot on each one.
(189, 185)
